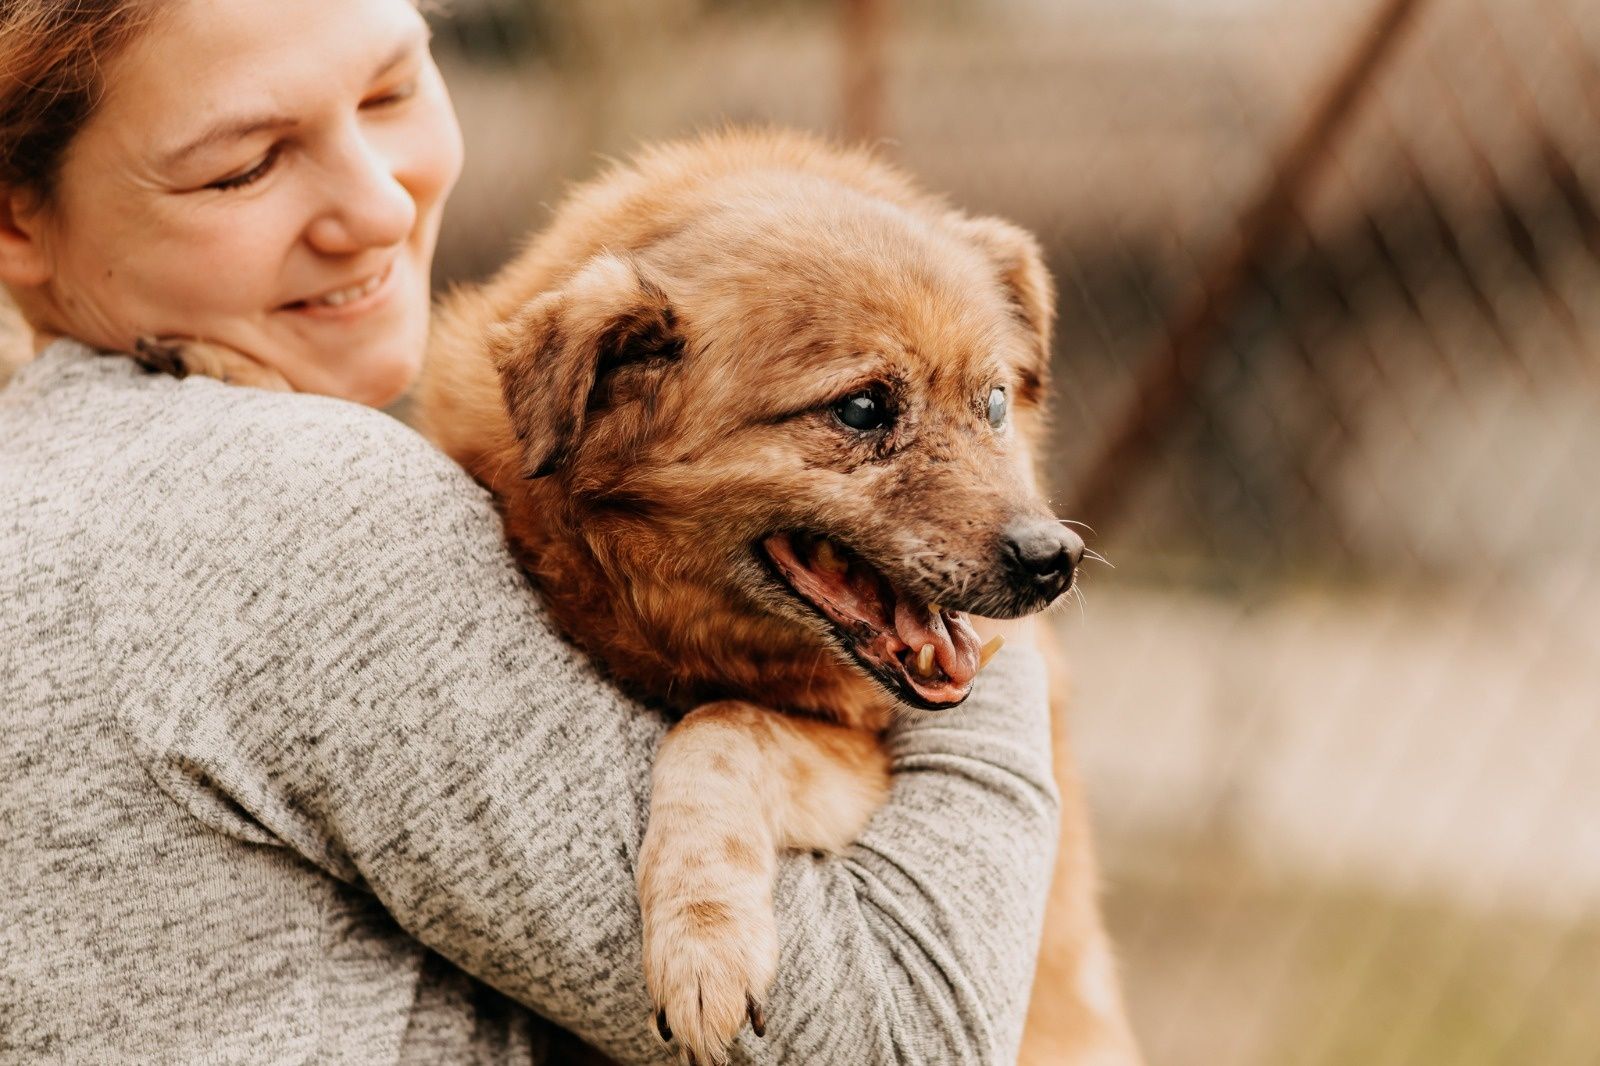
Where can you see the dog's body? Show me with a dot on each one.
(759, 416)
(670, 408)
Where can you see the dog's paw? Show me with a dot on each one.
(162, 356)
(709, 960)
(182, 357)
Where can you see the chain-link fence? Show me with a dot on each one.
(1362, 792)
(1328, 383)
(1328, 276)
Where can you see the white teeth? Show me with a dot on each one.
(988, 651)
(828, 558)
(354, 292)
(925, 661)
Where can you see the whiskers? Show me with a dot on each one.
(1090, 553)
(982, 590)
(1073, 595)
(1076, 591)
(1083, 602)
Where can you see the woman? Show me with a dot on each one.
(294, 768)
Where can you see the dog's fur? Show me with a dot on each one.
(646, 390)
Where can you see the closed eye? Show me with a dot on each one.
(251, 176)
(392, 98)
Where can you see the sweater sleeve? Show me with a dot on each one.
(318, 641)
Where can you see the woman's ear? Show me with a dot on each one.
(23, 260)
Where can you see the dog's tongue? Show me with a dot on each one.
(888, 632)
(955, 643)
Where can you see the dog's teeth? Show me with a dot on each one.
(828, 559)
(935, 610)
(994, 645)
(925, 661)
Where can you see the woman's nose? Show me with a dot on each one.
(368, 206)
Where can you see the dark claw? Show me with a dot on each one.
(661, 1025)
(758, 1017)
(159, 357)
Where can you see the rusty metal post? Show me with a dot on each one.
(865, 34)
(1168, 379)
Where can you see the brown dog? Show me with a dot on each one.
(759, 414)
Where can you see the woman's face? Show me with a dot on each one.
(268, 175)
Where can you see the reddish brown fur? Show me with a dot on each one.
(648, 362)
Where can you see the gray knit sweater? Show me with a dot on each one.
(293, 769)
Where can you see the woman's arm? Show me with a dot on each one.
(349, 656)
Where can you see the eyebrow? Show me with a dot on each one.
(235, 129)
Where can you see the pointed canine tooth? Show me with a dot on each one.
(935, 610)
(994, 645)
(828, 558)
(925, 661)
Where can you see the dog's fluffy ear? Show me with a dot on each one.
(1016, 256)
(556, 353)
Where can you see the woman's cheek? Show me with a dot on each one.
(235, 266)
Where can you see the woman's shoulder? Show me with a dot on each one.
(212, 484)
(195, 443)
(197, 504)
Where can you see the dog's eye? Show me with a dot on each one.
(863, 412)
(997, 407)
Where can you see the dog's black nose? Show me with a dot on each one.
(1045, 554)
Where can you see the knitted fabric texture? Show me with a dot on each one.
(294, 769)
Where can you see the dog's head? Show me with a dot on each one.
(802, 420)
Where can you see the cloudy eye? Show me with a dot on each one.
(997, 407)
(863, 411)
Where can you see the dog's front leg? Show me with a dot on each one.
(733, 784)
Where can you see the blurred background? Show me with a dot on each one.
(1328, 389)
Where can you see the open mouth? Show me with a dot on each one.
(925, 654)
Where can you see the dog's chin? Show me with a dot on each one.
(920, 653)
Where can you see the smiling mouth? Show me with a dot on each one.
(924, 654)
(339, 298)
